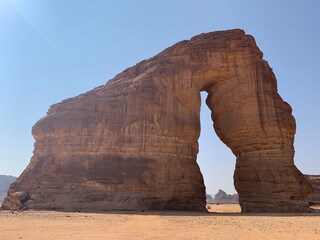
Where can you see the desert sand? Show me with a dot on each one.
(223, 222)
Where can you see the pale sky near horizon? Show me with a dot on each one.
(51, 50)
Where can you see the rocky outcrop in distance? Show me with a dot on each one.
(222, 197)
(5, 182)
(132, 143)
(314, 196)
(208, 197)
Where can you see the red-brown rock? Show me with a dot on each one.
(132, 144)
(15, 201)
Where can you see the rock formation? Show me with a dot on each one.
(133, 142)
(314, 196)
(16, 201)
(223, 197)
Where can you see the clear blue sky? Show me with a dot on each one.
(55, 49)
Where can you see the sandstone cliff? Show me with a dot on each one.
(132, 143)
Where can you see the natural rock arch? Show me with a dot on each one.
(132, 143)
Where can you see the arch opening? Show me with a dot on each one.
(215, 159)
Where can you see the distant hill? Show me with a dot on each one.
(223, 197)
(5, 182)
(208, 197)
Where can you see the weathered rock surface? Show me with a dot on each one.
(314, 196)
(133, 143)
(15, 201)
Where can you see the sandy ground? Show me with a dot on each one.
(227, 224)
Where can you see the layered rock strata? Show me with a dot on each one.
(132, 143)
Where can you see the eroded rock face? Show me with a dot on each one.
(133, 143)
(15, 201)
